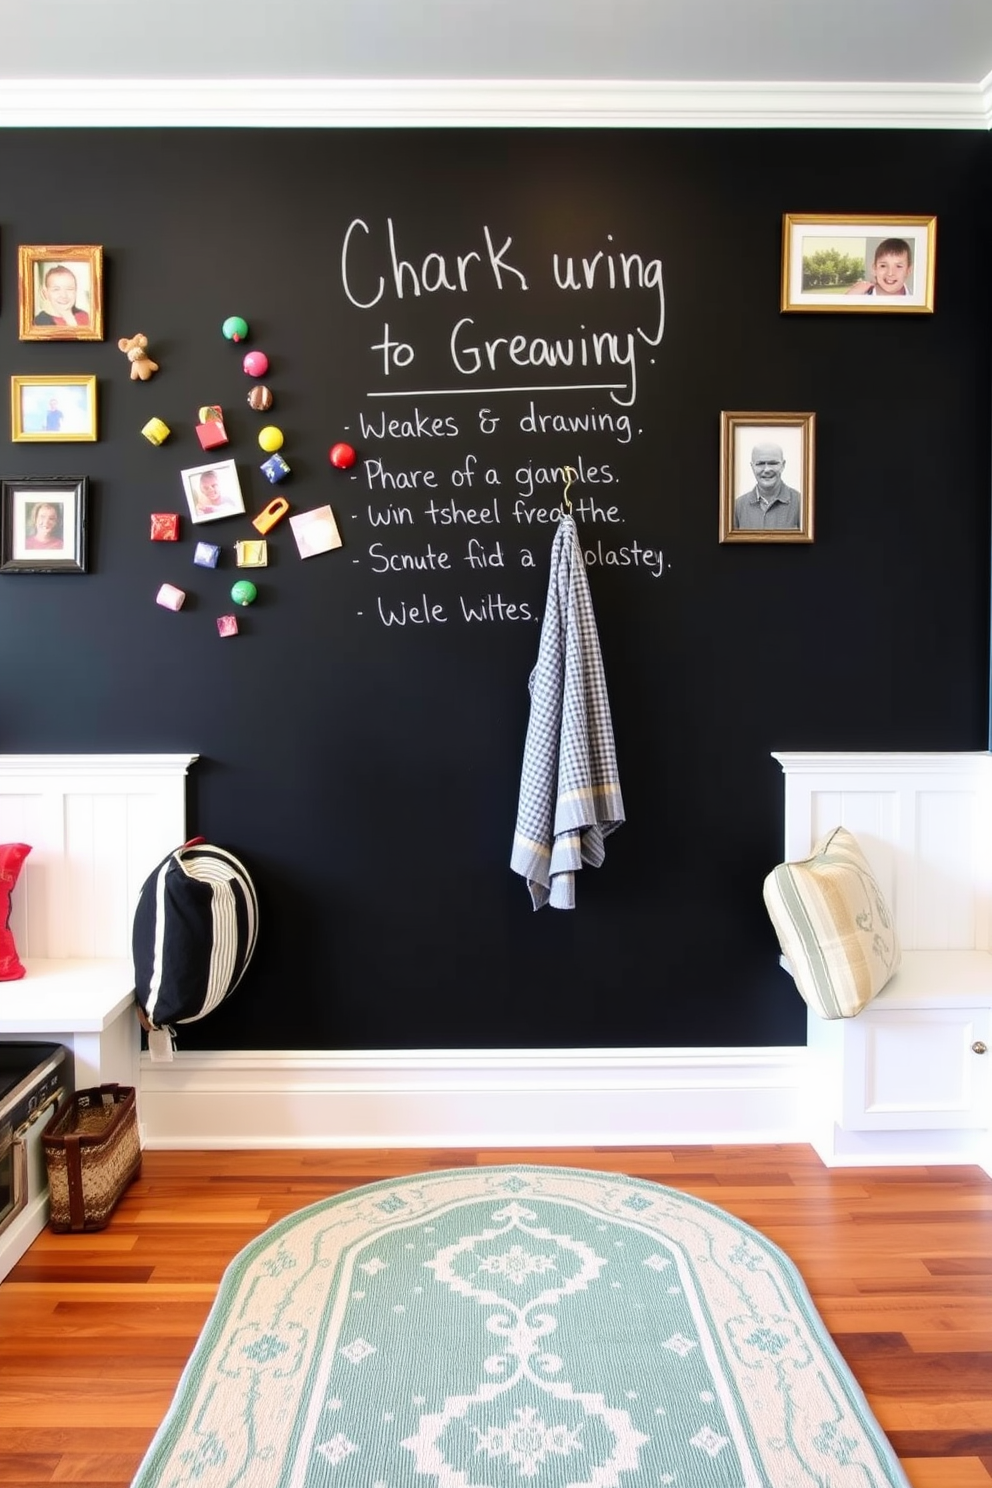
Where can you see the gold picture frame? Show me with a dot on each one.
(53, 410)
(60, 291)
(858, 265)
(767, 477)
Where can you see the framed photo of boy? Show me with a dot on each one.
(766, 477)
(858, 264)
(53, 410)
(60, 291)
(213, 491)
(43, 524)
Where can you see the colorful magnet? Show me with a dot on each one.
(135, 349)
(207, 555)
(211, 434)
(342, 456)
(155, 431)
(244, 592)
(315, 531)
(165, 527)
(170, 598)
(256, 364)
(260, 398)
(252, 553)
(235, 328)
(274, 468)
(270, 439)
(227, 625)
(271, 514)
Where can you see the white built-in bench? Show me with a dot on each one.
(97, 825)
(908, 1080)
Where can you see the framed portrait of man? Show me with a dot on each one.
(766, 477)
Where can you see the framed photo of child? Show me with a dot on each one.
(213, 491)
(43, 524)
(858, 264)
(60, 291)
(53, 409)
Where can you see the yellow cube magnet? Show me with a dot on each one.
(252, 554)
(155, 431)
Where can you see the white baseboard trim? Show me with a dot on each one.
(902, 1149)
(489, 1098)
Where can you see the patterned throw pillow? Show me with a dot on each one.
(834, 926)
(12, 855)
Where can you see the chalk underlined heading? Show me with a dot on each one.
(547, 387)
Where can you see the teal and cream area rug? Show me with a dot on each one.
(524, 1327)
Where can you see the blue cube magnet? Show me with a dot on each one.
(206, 555)
(274, 468)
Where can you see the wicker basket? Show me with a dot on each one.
(92, 1151)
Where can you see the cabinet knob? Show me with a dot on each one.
(979, 1048)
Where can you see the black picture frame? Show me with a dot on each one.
(43, 524)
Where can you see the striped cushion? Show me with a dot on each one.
(194, 932)
(834, 926)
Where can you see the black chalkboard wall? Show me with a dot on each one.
(365, 760)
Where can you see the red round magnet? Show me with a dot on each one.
(342, 456)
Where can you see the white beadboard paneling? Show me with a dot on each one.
(945, 874)
(97, 826)
(919, 819)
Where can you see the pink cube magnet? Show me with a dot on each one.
(227, 625)
(165, 527)
(170, 598)
(211, 434)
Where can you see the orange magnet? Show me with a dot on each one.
(271, 514)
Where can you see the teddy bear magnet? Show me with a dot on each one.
(135, 349)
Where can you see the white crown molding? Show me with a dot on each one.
(985, 89)
(342, 103)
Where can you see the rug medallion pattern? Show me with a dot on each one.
(507, 1327)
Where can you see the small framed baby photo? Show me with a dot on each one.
(315, 531)
(43, 525)
(766, 477)
(53, 410)
(858, 264)
(213, 491)
(60, 292)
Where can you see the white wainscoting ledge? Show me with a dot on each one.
(470, 1098)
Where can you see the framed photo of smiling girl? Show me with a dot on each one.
(858, 265)
(43, 524)
(60, 291)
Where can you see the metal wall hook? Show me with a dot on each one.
(571, 475)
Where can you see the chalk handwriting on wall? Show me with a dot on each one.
(483, 517)
(373, 270)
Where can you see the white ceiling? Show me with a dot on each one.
(937, 41)
(923, 47)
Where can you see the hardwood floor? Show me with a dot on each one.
(95, 1329)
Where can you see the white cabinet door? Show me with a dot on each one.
(909, 1068)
